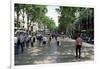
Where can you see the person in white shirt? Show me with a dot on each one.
(15, 40)
(44, 40)
(21, 38)
(58, 41)
(32, 40)
(15, 45)
(22, 42)
(49, 40)
(40, 39)
(78, 46)
(27, 41)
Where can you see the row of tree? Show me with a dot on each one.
(34, 13)
(68, 15)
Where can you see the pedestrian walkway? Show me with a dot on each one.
(84, 43)
(54, 54)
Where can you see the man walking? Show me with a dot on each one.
(78, 46)
(40, 39)
(16, 44)
(22, 42)
(44, 40)
(58, 41)
(49, 40)
(32, 41)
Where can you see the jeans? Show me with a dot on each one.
(78, 50)
(16, 49)
(22, 47)
(57, 43)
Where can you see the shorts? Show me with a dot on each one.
(44, 42)
(57, 42)
(78, 46)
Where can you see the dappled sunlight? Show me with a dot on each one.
(56, 53)
(35, 50)
(33, 54)
(49, 61)
(69, 53)
(38, 62)
(53, 54)
(43, 62)
(48, 34)
(49, 57)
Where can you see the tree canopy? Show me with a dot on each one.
(35, 13)
(67, 16)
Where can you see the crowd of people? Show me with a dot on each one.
(25, 40)
(22, 39)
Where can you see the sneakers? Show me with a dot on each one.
(78, 57)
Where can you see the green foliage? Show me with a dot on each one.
(67, 15)
(17, 10)
(48, 22)
(35, 13)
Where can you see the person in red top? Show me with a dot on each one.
(78, 46)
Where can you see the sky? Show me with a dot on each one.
(52, 13)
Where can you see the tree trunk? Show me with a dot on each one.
(27, 24)
(18, 24)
